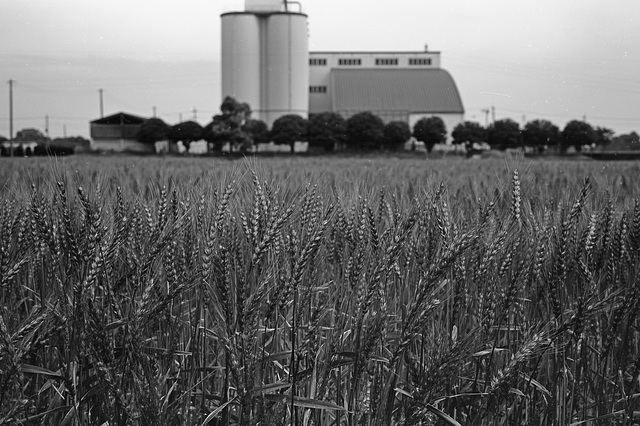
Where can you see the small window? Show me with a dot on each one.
(387, 61)
(317, 61)
(317, 89)
(350, 61)
(419, 61)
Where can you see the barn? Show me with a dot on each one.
(118, 133)
(396, 86)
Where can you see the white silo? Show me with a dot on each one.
(241, 57)
(287, 66)
(261, 6)
(265, 59)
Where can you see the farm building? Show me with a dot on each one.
(118, 132)
(396, 86)
(266, 62)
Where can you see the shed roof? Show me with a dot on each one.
(409, 90)
(120, 118)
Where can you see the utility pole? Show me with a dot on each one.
(195, 114)
(493, 113)
(11, 117)
(180, 118)
(101, 104)
(486, 117)
(154, 112)
(46, 125)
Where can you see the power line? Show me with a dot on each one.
(598, 117)
(556, 115)
(58, 85)
(40, 117)
(544, 70)
(560, 77)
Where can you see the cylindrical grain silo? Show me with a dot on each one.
(241, 52)
(286, 66)
(265, 59)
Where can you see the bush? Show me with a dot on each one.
(504, 134)
(540, 134)
(396, 133)
(186, 132)
(431, 131)
(257, 130)
(470, 134)
(327, 130)
(153, 130)
(289, 129)
(365, 131)
(576, 134)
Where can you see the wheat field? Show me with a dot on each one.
(319, 291)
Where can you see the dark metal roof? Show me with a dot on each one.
(408, 90)
(120, 118)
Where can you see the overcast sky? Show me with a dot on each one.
(553, 59)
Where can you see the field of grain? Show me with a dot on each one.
(319, 291)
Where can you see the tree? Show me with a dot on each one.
(222, 130)
(31, 135)
(396, 133)
(327, 129)
(236, 111)
(3, 139)
(187, 132)
(576, 134)
(540, 134)
(153, 130)
(65, 146)
(604, 136)
(216, 132)
(228, 126)
(365, 130)
(504, 134)
(72, 141)
(431, 131)
(289, 129)
(257, 130)
(468, 133)
(628, 139)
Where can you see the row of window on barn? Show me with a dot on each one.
(379, 61)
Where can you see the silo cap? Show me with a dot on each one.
(263, 5)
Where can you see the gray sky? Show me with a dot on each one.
(553, 59)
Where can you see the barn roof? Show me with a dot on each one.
(120, 118)
(402, 90)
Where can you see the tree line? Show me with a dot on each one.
(328, 131)
(539, 135)
(44, 144)
(365, 131)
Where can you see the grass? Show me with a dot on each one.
(318, 291)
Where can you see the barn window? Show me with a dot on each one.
(350, 61)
